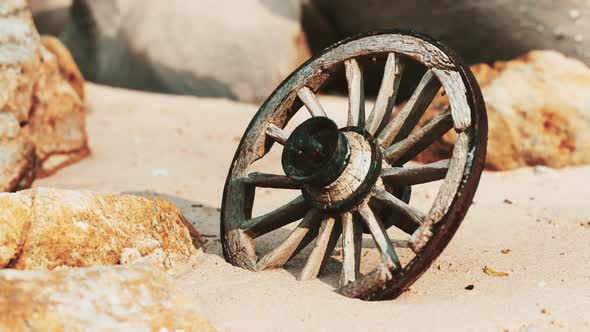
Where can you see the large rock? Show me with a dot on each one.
(480, 31)
(239, 50)
(42, 229)
(17, 155)
(51, 16)
(539, 112)
(136, 298)
(41, 90)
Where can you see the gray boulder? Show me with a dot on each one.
(237, 49)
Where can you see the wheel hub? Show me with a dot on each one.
(337, 167)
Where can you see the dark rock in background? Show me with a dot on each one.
(480, 31)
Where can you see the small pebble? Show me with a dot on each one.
(505, 251)
(544, 170)
(469, 287)
(507, 201)
(558, 33)
(159, 172)
(574, 14)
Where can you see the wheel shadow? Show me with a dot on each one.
(206, 220)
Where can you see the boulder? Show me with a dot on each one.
(51, 16)
(17, 155)
(41, 90)
(241, 50)
(538, 112)
(479, 31)
(102, 298)
(43, 229)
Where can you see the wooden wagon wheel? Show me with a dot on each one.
(351, 179)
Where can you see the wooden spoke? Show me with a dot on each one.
(408, 148)
(311, 102)
(411, 175)
(387, 94)
(389, 200)
(356, 94)
(265, 180)
(278, 218)
(377, 230)
(403, 123)
(352, 239)
(277, 134)
(324, 246)
(301, 236)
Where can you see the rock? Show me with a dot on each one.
(57, 125)
(240, 51)
(17, 161)
(102, 298)
(42, 90)
(538, 112)
(66, 65)
(17, 155)
(42, 229)
(51, 16)
(479, 31)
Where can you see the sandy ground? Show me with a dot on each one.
(181, 147)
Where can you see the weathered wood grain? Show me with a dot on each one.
(356, 93)
(382, 241)
(353, 175)
(411, 175)
(301, 236)
(403, 123)
(398, 205)
(311, 102)
(457, 94)
(453, 178)
(278, 218)
(324, 246)
(446, 193)
(265, 180)
(352, 238)
(277, 134)
(408, 148)
(423, 52)
(387, 95)
(369, 284)
(238, 248)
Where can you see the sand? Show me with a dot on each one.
(181, 147)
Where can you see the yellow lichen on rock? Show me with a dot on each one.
(41, 86)
(57, 125)
(538, 112)
(102, 298)
(14, 221)
(80, 228)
